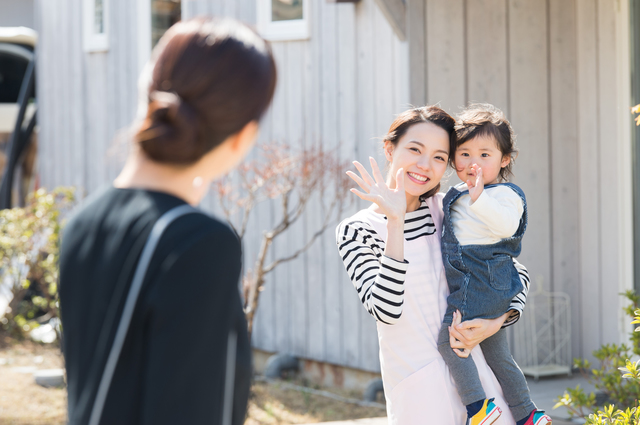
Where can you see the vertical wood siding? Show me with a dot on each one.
(551, 66)
(352, 58)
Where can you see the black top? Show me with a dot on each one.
(173, 362)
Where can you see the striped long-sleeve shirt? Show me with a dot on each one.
(379, 279)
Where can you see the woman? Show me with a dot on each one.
(392, 254)
(210, 82)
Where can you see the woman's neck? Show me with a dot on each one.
(413, 203)
(143, 173)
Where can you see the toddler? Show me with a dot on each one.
(484, 221)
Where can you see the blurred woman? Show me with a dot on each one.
(186, 354)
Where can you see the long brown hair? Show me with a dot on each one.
(433, 114)
(210, 78)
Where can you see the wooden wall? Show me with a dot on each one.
(352, 59)
(551, 66)
(86, 100)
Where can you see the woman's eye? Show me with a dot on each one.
(439, 158)
(415, 150)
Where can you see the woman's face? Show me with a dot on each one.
(423, 153)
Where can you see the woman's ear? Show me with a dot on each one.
(388, 150)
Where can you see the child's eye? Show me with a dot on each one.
(485, 155)
(464, 154)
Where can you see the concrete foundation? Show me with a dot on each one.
(322, 374)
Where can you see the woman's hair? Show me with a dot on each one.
(209, 78)
(485, 120)
(433, 114)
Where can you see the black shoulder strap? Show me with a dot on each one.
(141, 270)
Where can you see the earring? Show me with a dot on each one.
(197, 182)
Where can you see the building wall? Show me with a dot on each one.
(352, 59)
(17, 13)
(553, 68)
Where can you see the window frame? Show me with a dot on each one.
(94, 42)
(297, 29)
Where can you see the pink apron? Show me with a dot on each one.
(417, 384)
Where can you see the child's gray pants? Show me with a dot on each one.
(496, 352)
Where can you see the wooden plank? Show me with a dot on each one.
(529, 100)
(43, 88)
(588, 176)
(347, 105)
(279, 279)
(366, 26)
(610, 159)
(416, 37)
(316, 347)
(261, 221)
(56, 92)
(563, 119)
(329, 74)
(395, 12)
(487, 56)
(76, 75)
(445, 38)
(383, 48)
(296, 235)
(247, 11)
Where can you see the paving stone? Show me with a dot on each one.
(49, 377)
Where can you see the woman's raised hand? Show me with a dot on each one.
(392, 202)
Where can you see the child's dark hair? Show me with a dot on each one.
(485, 120)
(432, 114)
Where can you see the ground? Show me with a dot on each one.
(23, 402)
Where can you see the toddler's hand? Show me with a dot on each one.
(475, 185)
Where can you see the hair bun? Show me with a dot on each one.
(169, 132)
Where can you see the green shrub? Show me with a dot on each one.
(29, 248)
(622, 390)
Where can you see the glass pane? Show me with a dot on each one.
(286, 10)
(98, 18)
(164, 13)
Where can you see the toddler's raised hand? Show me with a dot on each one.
(475, 185)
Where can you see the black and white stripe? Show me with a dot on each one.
(379, 279)
(518, 302)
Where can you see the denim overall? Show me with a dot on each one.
(482, 278)
(482, 282)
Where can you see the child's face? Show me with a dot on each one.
(483, 151)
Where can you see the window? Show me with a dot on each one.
(155, 18)
(96, 25)
(280, 20)
(164, 13)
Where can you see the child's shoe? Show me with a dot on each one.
(538, 417)
(488, 414)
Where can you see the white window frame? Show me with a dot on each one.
(297, 29)
(144, 33)
(93, 42)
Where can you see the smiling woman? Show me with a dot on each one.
(393, 256)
